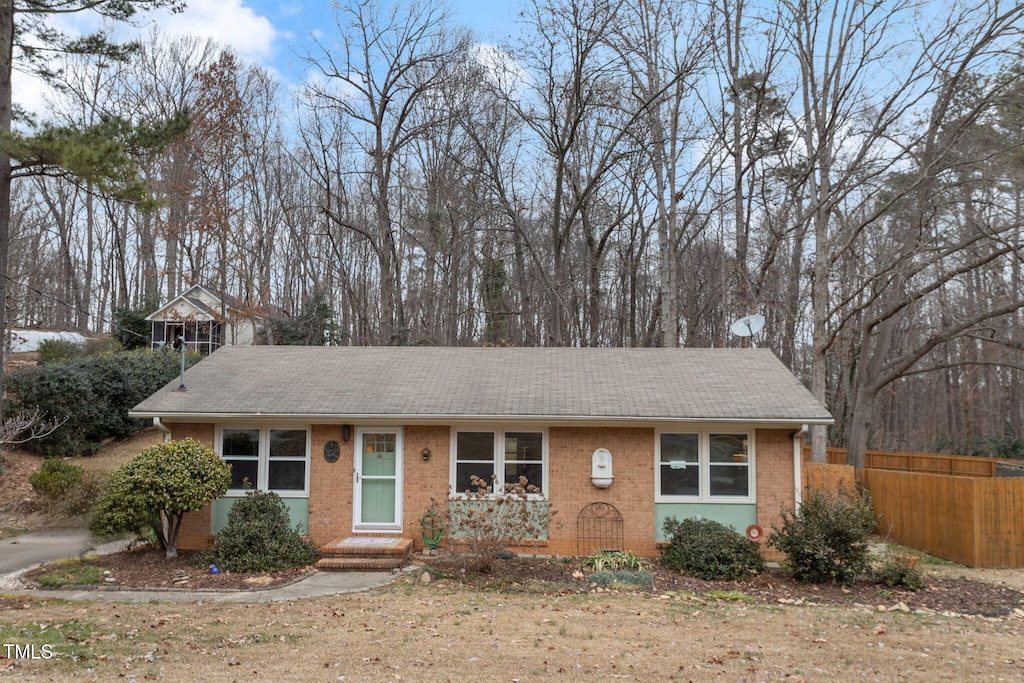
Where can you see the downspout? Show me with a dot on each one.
(159, 424)
(798, 439)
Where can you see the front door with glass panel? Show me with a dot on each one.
(377, 503)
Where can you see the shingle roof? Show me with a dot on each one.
(431, 382)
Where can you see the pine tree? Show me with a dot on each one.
(99, 155)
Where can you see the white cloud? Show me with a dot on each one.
(227, 21)
(30, 93)
(500, 66)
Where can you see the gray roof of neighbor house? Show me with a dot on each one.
(561, 384)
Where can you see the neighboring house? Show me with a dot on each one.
(206, 319)
(360, 439)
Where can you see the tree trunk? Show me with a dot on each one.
(6, 64)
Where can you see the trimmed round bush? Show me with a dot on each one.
(710, 550)
(259, 538)
(155, 489)
(826, 539)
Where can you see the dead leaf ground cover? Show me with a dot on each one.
(449, 631)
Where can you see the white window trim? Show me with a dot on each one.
(499, 455)
(263, 458)
(704, 462)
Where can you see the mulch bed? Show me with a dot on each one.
(960, 596)
(148, 567)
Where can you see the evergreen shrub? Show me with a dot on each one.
(826, 539)
(94, 393)
(259, 537)
(710, 550)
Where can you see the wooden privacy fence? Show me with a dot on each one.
(823, 477)
(933, 463)
(974, 521)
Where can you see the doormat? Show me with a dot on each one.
(370, 540)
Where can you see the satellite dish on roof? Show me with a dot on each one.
(748, 326)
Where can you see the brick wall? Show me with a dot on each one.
(330, 488)
(632, 490)
(775, 488)
(196, 527)
(423, 479)
(570, 450)
(330, 485)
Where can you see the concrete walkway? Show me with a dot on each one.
(32, 549)
(22, 553)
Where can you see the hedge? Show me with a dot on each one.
(94, 394)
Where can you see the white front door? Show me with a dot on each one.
(377, 499)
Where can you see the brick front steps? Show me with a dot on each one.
(364, 554)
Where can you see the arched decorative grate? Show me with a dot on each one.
(598, 527)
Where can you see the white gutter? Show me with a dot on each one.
(412, 418)
(798, 437)
(159, 424)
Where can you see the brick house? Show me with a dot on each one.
(357, 440)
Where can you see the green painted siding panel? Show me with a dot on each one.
(739, 517)
(298, 511)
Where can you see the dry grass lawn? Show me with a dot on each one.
(446, 632)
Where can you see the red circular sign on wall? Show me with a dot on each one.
(754, 532)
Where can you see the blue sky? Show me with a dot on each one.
(292, 21)
(271, 32)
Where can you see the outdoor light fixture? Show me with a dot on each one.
(346, 432)
(426, 454)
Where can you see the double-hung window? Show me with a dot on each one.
(499, 457)
(704, 466)
(266, 458)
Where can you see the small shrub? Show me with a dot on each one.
(614, 560)
(826, 539)
(60, 350)
(898, 570)
(66, 489)
(54, 478)
(709, 550)
(487, 522)
(57, 350)
(259, 538)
